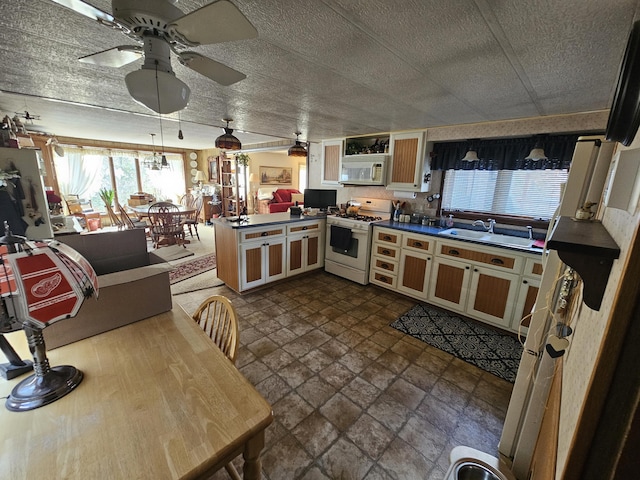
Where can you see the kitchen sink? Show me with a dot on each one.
(484, 237)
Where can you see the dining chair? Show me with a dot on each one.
(129, 222)
(219, 320)
(166, 224)
(192, 219)
(80, 208)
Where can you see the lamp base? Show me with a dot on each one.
(36, 391)
(9, 371)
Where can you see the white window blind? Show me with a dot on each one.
(529, 193)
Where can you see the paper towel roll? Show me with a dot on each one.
(405, 194)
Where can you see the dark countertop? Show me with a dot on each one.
(434, 231)
(264, 219)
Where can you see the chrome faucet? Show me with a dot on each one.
(489, 229)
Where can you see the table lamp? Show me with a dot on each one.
(200, 177)
(42, 282)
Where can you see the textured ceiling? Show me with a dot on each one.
(329, 68)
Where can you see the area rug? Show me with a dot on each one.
(191, 268)
(491, 350)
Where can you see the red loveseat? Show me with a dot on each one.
(282, 200)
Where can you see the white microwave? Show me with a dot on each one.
(364, 170)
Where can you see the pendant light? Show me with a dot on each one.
(180, 135)
(227, 141)
(298, 149)
(472, 153)
(537, 152)
(152, 162)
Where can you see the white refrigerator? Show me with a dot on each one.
(23, 201)
(587, 176)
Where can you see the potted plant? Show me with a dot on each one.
(243, 159)
(107, 196)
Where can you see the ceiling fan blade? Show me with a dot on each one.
(217, 22)
(88, 11)
(114, 57)
(216, 71)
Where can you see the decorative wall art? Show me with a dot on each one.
(213, 169)
(275, 175)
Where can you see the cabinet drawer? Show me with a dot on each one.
(384, 278)
(249, 235)
(490, 257)
(533, 267)
(307, 227)
(384, 264)
(386, 251)
(387, 236)
(418, 242)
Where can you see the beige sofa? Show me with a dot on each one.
(134, 284)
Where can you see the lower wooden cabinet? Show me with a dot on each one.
(527, 294)
(305, 252)
(449, 284)
(492, 294)
(262, 262)
(413, 278)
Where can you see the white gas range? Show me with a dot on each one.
(348, 242)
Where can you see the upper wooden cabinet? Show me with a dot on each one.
(332, 151)
(409, 169)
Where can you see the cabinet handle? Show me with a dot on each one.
(383, 279)
(304, 228)
(387, 237)
(525, 282)
(417, 244)
(386, 252)
(428, 258)
(453, 252)
(385, 266)
(467, 268)
(497, 261)
(264, 234)
(475, 269)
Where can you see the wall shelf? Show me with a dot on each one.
(587, 247)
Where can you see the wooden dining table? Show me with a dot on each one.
(158, 400)
(142, 211)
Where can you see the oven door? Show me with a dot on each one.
(356, 256)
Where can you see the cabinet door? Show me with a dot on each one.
(492, 296)
(527, 294)
(304, 253)
(449, 285)
(252, 260)
(408, 163)
(331, 161)
(262, 262)
(415, 269)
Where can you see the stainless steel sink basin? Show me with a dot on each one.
(492, 238)
(472, 471)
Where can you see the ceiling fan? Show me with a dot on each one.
(160, 28)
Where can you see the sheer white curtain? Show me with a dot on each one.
(77, 173)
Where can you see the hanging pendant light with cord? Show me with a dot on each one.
(472, 153)
(163, 160)
(537, 152)
(180, 135)
(227, 141)
(298, 149)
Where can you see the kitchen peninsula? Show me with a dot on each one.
(263, 248)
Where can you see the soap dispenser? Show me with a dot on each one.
(450, 221)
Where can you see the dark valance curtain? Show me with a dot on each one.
(505, 154)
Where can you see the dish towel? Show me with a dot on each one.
(340, 237)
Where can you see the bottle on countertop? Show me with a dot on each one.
(450, 221)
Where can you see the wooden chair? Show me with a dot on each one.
(166, 224)
(193, 218)
(82, 209)
(217, 317)
(113, 218)
(128, 221)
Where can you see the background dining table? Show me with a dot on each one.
(158, 400)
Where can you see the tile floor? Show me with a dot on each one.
(352, 397)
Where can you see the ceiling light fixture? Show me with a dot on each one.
(173, 91)
(472, 153)
(298, 149)
(180, 135)
(537, 152)
(227, 141)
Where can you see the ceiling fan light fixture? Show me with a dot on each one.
(298, 149)
(227, 141)
(173, 92)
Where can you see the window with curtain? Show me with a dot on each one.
(85, 171)
(503, 181)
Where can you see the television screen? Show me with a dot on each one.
(316, 198)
